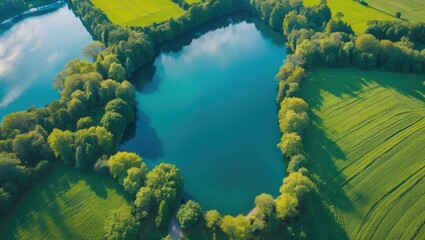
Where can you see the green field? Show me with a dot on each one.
(367, 151)
(138, 13)
(66, 204)
(355, 14)
(412, 10)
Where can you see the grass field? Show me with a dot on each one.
(412, 10)
(138, 13)
(66, 204)
(355, 14)
(367, 150)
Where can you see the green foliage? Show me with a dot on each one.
(236, 228)
(121, 162)
(163, 216)
(166, 183)
(213, 220)
(293, 115)
(117, 72)
(121, 225)
(265, 205)
(144, 199)
(189, 214)
(296, 162)
(135, 178)
(297, 185)
(286, 206)
(293, 21)
(290, 144)
(85, 122)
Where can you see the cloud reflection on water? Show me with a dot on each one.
(17, 42)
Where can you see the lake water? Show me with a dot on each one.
(32, 52)
(209, 108)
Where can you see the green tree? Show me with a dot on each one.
(84, 123)
(122, 107)
(189, 214)
(117, 72)
(237, 228)
(135, 178)
(296, 184)
(290, 144)
(286, 206)
(121, 162)
(163, 215)
(212, 220)
(61, 143)
(121, 225)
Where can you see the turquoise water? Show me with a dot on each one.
(210, 109)
(32, 52)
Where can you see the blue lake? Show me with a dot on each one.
(32, 52)
(209, 108)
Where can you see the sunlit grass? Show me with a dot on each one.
(138, 13)
(66, 204)
(367, 151)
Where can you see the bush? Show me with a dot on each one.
(189, 214)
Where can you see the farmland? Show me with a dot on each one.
(412, 10)
(367, 155)
(138, 13)
(67, 204)
(355, 14)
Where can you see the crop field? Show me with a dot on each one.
(367, 151)
(138, 13)
(66, 204)
(412, 10)
(355, 14)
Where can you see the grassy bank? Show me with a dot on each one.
(367, 151)
(67, 204)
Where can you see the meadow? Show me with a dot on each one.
(66, 204)
(412, 10)
(355, 13)
(138, 13)
(366, 153)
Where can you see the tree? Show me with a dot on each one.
(117, 72)
(5, 200)
(121, 162)
(296, 184)
(398, 14)
(293, 21)
(213, 220)
(144, 199)
(31, 147)
(189, 214)
(237, 228)
(290, 144)
(286, 206)
(122, 107)
(163, 214)
(61, 143)
(129, 67)
(135, 178)
(121, 225)
(114, 123)
(92, 50)
(265, 204)
(298, 161)
(166, 182)
(84, 123)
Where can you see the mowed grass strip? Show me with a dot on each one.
(355, 13)
(367, 148)
(412, 10)
(138, 12)
(66, 204)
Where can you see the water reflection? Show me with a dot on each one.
(32, 52)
